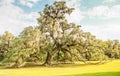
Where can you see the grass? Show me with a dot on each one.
(97, 74)
(109, 69)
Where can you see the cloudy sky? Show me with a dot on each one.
(100, 17)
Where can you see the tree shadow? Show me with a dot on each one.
(55, 65)
(77, 65)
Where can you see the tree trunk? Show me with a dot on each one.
(48, 59)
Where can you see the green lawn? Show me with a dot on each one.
(97, 74)
(109, 69)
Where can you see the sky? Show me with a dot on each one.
(100, 17)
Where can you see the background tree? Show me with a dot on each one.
(25, 48)
(5, 43)
(112, 49)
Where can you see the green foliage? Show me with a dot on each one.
(55, 40)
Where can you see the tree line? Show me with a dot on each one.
(55, 40)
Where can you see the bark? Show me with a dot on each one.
(48, 59)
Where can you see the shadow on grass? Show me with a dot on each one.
(55, 65)
(82, 64)
(61, 65)
(33, 65)
(97, 74)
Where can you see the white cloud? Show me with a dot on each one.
(14, 19)
(28, 3)
(6, 2)
(104, 12)
(109, 1)
(100, 11)
(73, 3)
(76, 16)
(104, 31)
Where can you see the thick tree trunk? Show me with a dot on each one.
(48, 59)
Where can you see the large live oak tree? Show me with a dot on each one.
(61, 37)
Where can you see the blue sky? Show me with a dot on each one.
(100, 17)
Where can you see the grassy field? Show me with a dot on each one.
(109, 69)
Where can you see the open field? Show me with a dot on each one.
(109, 69)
